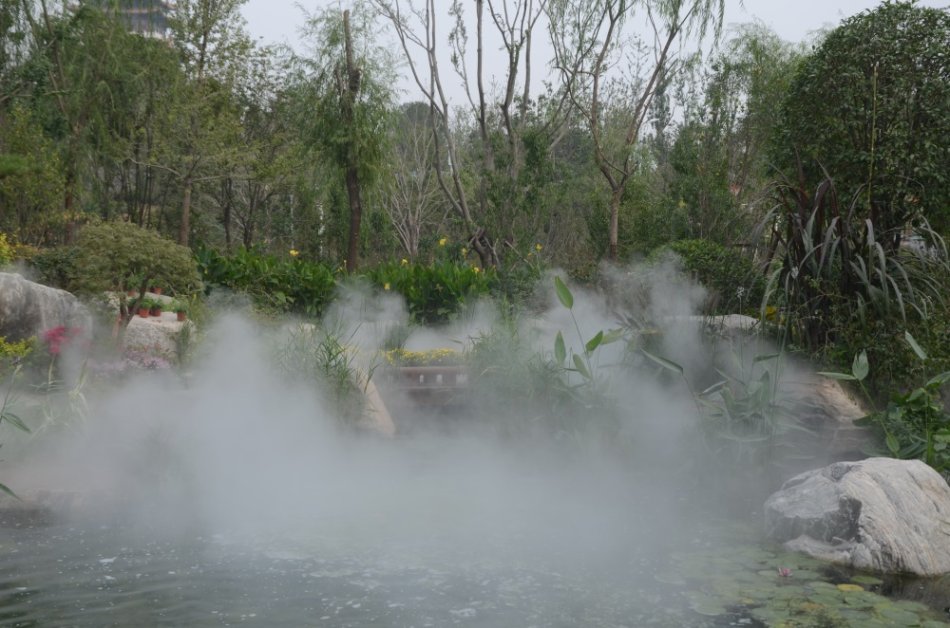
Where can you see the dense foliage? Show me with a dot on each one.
(871, 108)
(733, 281)
(787, 181)
(433, 292)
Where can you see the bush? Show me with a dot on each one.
(436, 291)
(6, 250)
(735, 285)
(433, 292)
(57, 267)
(278, 284)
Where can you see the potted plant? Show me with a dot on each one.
(181, 310)
(144, 307)
(155, 290)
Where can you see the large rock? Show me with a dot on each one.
(879, 514)
(28, 309)
(157, 335)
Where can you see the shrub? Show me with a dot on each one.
(122, 256)
(436, 291)
(832, 270)
(279, 284)
(731, 278)
(6, 250)
(57, 267)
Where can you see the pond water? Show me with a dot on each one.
(90, 573)
(238, 500)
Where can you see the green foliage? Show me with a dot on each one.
(122, 256)
(13, 353)
(57, 267)
(872, 106)
(434, 292)
(529, 391)
(743, 411)
(280, 284)
(6, 250)
(32, 193)
(914, 424)
(323, 357)
(734, 282)
(835, 271)
(7, 415)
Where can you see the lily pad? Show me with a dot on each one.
(867, 580)
(900, 617)
(850, 587)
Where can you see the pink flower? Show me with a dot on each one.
(58, 338)
(784, 572)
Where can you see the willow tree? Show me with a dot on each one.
(212, 43)
(612, 74)
(348, 83)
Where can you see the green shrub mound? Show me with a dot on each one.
(733, 282)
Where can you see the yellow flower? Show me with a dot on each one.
(443, 241)
(294, 252)
(464, 251)
(404, 262)
(538, 247)
(386, 286)
(476, 269)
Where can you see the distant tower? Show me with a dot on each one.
(149, 18)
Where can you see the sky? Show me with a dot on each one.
(279, 21)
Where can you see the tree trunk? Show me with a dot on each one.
(352, 88)
(185, 214)
(356, 214)
(614, 227)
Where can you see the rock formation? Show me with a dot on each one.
(879, 514)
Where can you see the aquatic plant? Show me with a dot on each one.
(7, 415)
(914, 424)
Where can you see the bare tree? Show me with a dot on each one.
(513, 23)
(611, 76)
(414, 201)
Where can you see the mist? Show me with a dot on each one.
(244, 454)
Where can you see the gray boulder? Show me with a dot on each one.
(879, 514)
(28, 309)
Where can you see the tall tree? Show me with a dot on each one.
(505, 127)
(414, 202)
(612, 75)
(871, 107)
(349, 81)
(210, 37)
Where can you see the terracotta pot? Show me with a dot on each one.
(143, 312)
(182, 316)
(155, 311)
(155, 290)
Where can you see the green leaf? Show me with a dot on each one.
(5, 489)
(15, 421)
(938, 380)
(580, 366)
(612, 336)
(842, 376)
(667, 364)
(563, 293)
(860, 366)
(560, 352)
(714, 388)
(913, 345)
(594, 342)
(893, 445)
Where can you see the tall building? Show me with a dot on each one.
(149, 18)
